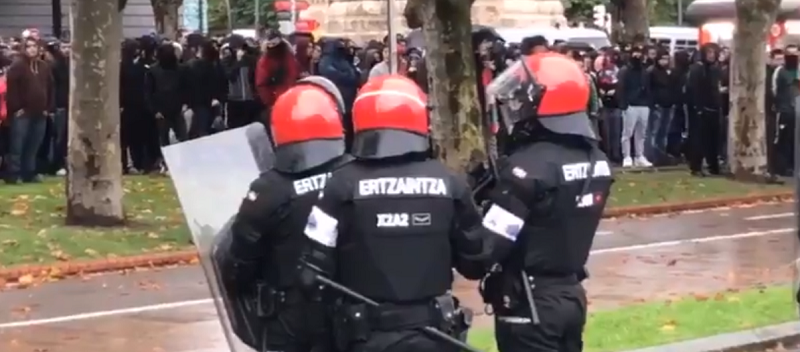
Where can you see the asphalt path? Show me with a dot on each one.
(633, 260)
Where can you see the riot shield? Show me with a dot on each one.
(211, 176)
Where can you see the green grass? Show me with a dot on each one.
(632, 189)
(32, 224)
(32, 215)
(657, 323)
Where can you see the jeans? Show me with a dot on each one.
(57, 155)
(612, 128)
(658, 127)
(202, 117)
(26, 136)
(634, 126)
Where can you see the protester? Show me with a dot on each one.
(29, 102)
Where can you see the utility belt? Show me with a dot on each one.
(354, 323)
(505, 291)
(272, 301)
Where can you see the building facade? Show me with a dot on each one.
(51, 17)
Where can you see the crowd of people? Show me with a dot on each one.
(650, 105)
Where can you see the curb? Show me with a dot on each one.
(760, 339)
(98, 265)
(13, 273)
(633, 211)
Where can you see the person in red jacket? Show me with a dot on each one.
(277, 70)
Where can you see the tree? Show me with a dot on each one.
(456, 114)
(167, 17)
(746, 128)
(94, 171)
(634, 18)
(243, 13)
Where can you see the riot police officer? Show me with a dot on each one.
(267, 231)
(391, 226)
(544, 206)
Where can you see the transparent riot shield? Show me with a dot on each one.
(211, 176)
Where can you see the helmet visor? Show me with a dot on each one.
(304, 156)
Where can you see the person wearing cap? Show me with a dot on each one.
(544, 206)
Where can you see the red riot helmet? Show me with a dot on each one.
(390, 118)
(548, 87)
(306, 125)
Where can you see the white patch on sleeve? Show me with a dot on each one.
(322, 227)
(252, 196)
(503, 222)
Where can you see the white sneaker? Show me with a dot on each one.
(641, 161)
(627, 162)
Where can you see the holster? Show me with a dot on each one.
(271, 300)
(354, 323)
(500, 291)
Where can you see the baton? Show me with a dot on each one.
(529, 296)
(428, 329)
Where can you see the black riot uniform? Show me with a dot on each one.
(544, 206)
(267, 231)
(391, 226)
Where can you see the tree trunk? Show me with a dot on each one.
(94, 167)
(746, 127)
(166, 17)
(452, 84)
(635, 21)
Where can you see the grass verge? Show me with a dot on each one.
(32, 215)
(632, 189)
(657, 323)
(32, 226)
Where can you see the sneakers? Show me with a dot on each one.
(627, 162)
(642, 162)
(639, 161)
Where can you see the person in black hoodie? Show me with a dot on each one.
(243, 106)
(662, 88)
(165, 94)
(704, 103)
(57, 153)
(676, 140)
(138, 131)
(206, 86)
(785, 89)
(634, 98)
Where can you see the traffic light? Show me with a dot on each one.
(599, 12)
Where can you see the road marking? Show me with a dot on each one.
(104, 313)
(603, 233)
(769, 216)
(174, 305)
(653, 245)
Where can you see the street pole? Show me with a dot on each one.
(230, 15)
(258, 17)
(680, 12)
(390, 16)
(797, 199)
(294, 14)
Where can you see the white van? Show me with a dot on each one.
(593, 37)
(674, 38)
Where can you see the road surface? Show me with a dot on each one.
(633, 260)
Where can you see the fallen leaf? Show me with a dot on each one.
(668, 326)
(165, 247)
(24, 310)
(194, 261)
(733, 298)
(26, 280)
(60, 255)
(719, 296)
(19, 209)
(10, 243)
(91, 252)
(152, 235)
(672, 262)
(700, 297)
